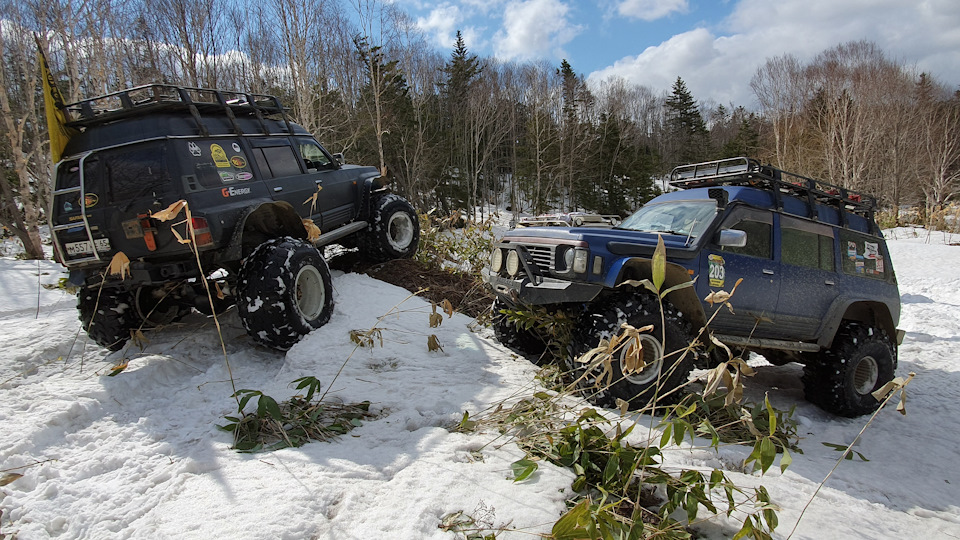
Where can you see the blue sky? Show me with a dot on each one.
(715, 46)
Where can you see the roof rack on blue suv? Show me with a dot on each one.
(815, 285)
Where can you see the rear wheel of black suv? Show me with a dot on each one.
(525, 342)
(107, 315)
(394, 231)
(284, 292)
(841, 380)
(663, 353)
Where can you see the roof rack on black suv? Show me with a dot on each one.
(817, 285)
(262, 196)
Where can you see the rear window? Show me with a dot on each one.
(132, 172)
(806, 244)
(277, 161)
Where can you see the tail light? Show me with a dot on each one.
(201, 232)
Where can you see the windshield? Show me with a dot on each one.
(685, 218)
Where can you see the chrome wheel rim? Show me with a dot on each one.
(310, 294)
(400, 231)
(651, 358)
(865, 375)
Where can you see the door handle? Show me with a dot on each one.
(830, 282)
(278, 188)
(768, 272)
(318, 182)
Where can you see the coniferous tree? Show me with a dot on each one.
(687, 137)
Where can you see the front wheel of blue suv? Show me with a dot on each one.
(661, 351)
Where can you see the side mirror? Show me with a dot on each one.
(338, 157)
(732, 238)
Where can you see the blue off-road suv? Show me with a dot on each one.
(817, 285)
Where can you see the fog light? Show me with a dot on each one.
(496, 260)
(513, 262)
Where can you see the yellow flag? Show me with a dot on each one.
(53, 106)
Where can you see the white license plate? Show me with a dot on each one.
(85, 248)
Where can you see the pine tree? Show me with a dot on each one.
(687, 136)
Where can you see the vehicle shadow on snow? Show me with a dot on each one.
(896, 446)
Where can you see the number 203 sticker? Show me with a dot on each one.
(717, 273)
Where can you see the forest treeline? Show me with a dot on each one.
(454, 130)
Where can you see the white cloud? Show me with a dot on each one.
(651, 10)
(534, 29)
(441, 24)
(718, 63)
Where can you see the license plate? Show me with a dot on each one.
(85, 248)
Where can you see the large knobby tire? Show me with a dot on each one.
(663, 352)
(524, 342)
(107, 321)
(284, 292)
(394, 231)
(862, 359)
(156, 306)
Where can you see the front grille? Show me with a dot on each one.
(543, 256)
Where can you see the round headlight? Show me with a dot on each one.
(496, 260)
(513, 262)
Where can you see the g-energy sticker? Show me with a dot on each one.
(234, 191)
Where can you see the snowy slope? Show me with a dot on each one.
(138, 455)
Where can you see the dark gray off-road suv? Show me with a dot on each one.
(254, 195)
(817, 288)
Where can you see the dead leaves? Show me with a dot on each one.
(630, 347)
(9, 477)
(722, 297)
(313, 232)
(119, 265)
(896, 385)
(435, 318)
(367, 338)
(169, 212)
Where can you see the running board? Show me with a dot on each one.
(336, 234)
(762, 343)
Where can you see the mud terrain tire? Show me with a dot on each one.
(667, 362)
(862, 359)
(107, 320)
(284, 292)
(394, 231)
(525, 342)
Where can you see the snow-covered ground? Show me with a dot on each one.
(138, 455)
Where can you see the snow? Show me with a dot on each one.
(138, 455)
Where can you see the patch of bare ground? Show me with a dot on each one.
(466, 293)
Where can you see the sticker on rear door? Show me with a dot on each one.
(717, 272)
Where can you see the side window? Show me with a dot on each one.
(861, 255)
(277, 161)
(759, 229)
(313, 156)
(213, 163)
(134, 171)
(806, 244)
